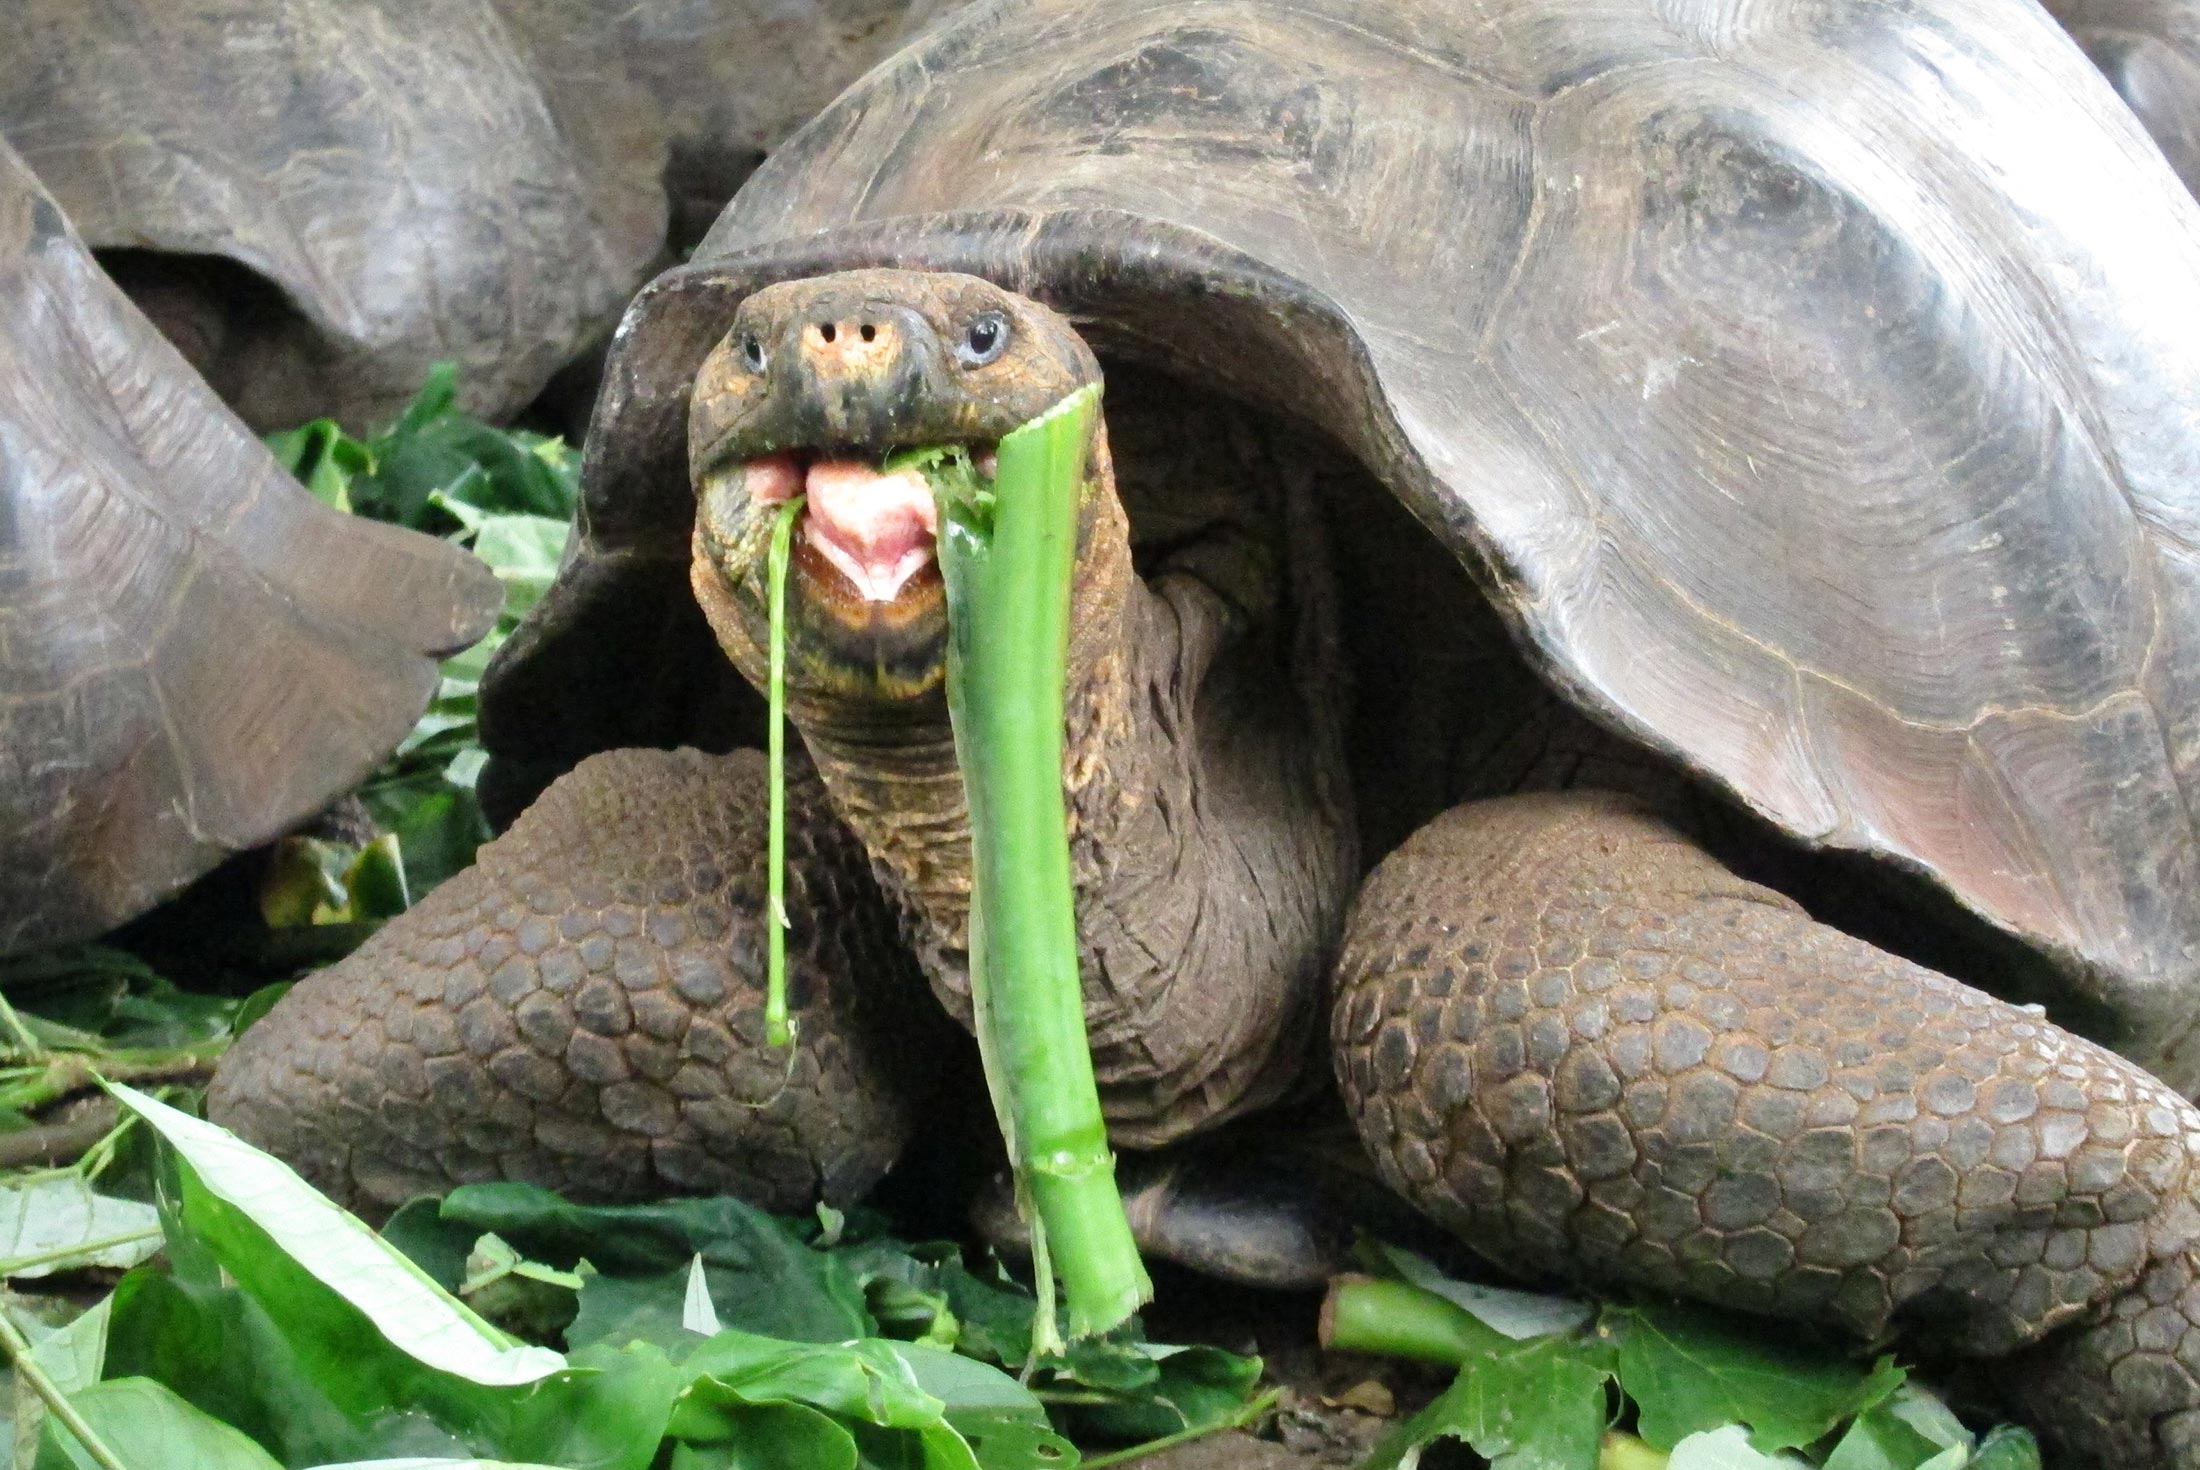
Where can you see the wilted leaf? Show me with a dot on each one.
(59, 1212)
(1728, 1448)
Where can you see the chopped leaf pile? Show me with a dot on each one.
(507, 495)
(694, 1334)
(1700, 1390)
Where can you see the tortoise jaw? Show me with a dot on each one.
(866, 609)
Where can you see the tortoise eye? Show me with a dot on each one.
(752, 352)
(984, 340)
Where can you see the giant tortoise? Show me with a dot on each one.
(2150, 52)
(1594, 456)
(317, 199)
(195, 654)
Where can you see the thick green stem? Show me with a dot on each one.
(777, 1030)
(1400, 1320)
(1007, 561)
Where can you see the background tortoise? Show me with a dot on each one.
(318, 199)
(1803, 422)
(2150, 52)
(195, 654)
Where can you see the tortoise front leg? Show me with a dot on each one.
(1580, 1043)
(583, 1009)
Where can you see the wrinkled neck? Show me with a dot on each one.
(892, 774)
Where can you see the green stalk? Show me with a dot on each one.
(1007, 558)
(778, 1031)
(19, 1264)
(1247, 1415)
(1399, 1320)
(57, 1403)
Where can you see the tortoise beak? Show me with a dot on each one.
(857, 373)
(865, 607)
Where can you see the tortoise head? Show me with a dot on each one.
(817, 381)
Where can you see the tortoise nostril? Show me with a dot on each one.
(869, 332)
(827, 332)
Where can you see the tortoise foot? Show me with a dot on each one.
(1272, 1210)
(583, 1009)
(1577, 1041)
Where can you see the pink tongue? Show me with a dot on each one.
(876, 529)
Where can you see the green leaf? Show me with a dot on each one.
(1538, 1406)
(719, 1430)
(2007, 1448)
(1192, 1388)
(762, 1278)
(438, 834)
(147, 1426)
(523, 1297)
(1690, 1371)
(698, 1313)
(269, 1205)
(74, 1356)
(993, 1317)
(608, 1412)
(58, 1213)
(1925, 1412)
(523, 550)
(219, 1349)
(374, 883)
(1912, 1430)
(1877, 1440)
(417, 1463)
(323, 458)
(510, 495)
(259, 1003)
(863, 1380)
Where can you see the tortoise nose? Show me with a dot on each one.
(860, 370)
(858, 344)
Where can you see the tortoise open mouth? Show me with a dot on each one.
(866, 539)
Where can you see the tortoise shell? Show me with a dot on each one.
(1812, 389)
(195, 654)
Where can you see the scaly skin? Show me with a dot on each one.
(583, 1008)
(1574, 1039)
